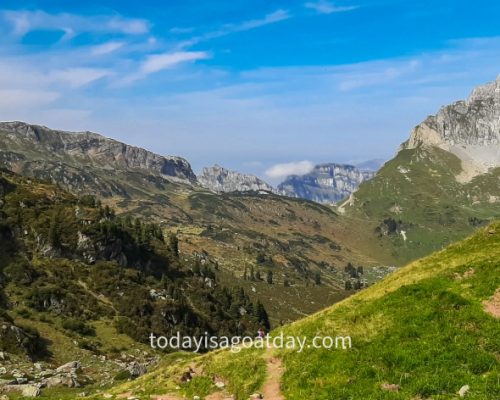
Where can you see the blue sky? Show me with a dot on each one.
(245, 84)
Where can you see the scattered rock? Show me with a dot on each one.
(255, 396)
(27, 390)
(220, 385)
(463, 390)
(390, 387)
(61, 380)
(136, 369)
(30, 391)
(467, 274)
(69, 367)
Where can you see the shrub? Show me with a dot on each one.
(78, 326)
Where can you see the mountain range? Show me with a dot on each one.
(325, 184)
(442, 184)
(102, 243)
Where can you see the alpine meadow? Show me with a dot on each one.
(297, 200)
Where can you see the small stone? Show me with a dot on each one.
(390, 387)
(30, 391)
(69, 367)
(463, 390)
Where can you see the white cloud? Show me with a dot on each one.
(327, 7)
(271, 18)
(157, 62)
(71, 25)
(292, 168)
(78, 77)
(276, 16)
(106, 48)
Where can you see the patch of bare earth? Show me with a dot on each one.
(271, 389)
(492, 306)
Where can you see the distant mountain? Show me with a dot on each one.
(326, 183)
(444, 181)
(222, 180)
(371, 165)
(242, 231)
(84, 160)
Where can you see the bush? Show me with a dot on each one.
(78, 326)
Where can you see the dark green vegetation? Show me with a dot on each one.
(423, 332)
(297, 240)
(68, 263)
(417, 196)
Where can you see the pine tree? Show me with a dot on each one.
(54, 239)
(173, 243)
(269, 277)
(262, 315)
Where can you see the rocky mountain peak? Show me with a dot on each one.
(470, 129)
(327, 183)
(220, 180)
(87, 148)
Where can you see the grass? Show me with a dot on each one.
(419, 190)
(423, 328)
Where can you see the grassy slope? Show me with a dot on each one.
(423, 328)
(418, 189)
(302, 237)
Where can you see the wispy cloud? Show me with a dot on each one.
(327, 7)
(158, 62)
(271, 18)
(293, 168)
(106, 48)
(78, 77)
(276, 16)
(24, 22)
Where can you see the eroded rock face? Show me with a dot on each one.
(469, 129)
(222, 180)
(69, 158)
(327, 183)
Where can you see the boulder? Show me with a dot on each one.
(69, 367)
(61, 380)
(136, 369)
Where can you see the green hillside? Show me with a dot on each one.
(294, 239)
(79, 283)
(424, 332)
(415, 205)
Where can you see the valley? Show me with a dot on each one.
(103, 243)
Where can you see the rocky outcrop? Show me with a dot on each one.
(93, 149)
(327, 183)
(71, 159)
(221, 180)
(469, 129)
